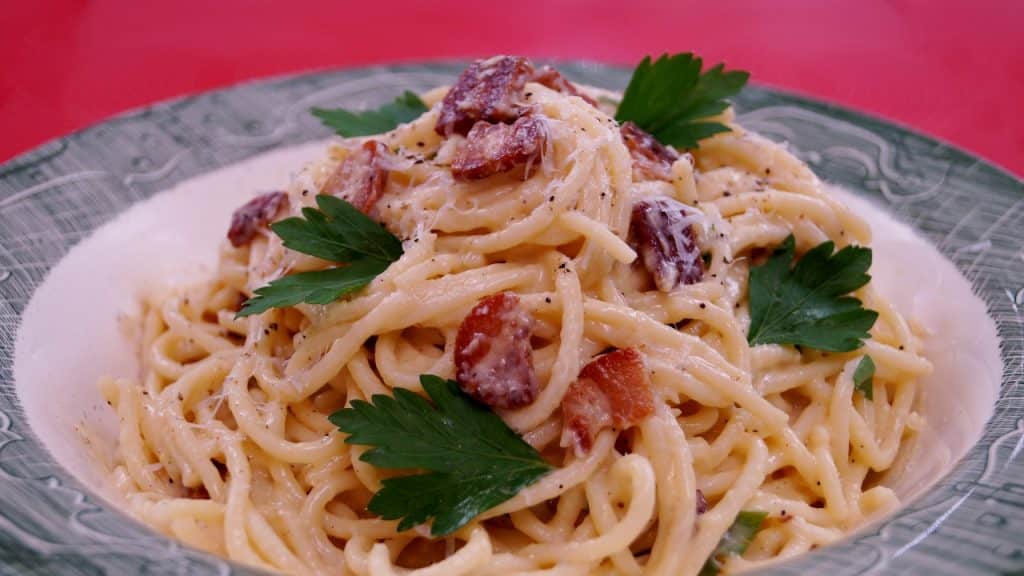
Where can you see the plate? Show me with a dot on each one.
(52, 197)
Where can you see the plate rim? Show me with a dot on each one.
(791, 93)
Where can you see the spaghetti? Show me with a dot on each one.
(225, 443)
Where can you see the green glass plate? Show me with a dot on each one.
(971, 522)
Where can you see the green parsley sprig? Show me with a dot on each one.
(863, 377)
(405, 108)
(735, 540)
(672, 99)
(337, 232)
(809, 304)
(473, 460)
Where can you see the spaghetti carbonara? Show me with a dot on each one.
(567, 239)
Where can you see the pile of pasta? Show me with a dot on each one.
(224, 438)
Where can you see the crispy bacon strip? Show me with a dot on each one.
(361, 176)
(553, 79)
(651, 159)
(661, 231)
(586, 410)
(493, 356)
(494, 148)
(489, 90)
(253, 215)
(702, 503)
(611, 391)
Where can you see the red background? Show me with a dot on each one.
(954, 69)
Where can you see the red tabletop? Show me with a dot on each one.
(953, 69)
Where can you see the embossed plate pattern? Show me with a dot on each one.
(972, 522)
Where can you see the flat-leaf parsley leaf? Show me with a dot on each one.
(405, 108)
(735, 540)
(672, 100)
(809, 304)
(337, 232)
(473, 460)
(863, 377)
(318, 287)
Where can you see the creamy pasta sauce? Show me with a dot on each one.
(636, 500)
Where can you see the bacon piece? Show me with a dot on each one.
(661, 231)
(553, 79)
(253, 215)
(491, 90)
(613, 390)
(361, 176)
(652, 160)
(494, 148)
(702, 503)
(493, 356)
(585, 410)
(488, 90)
